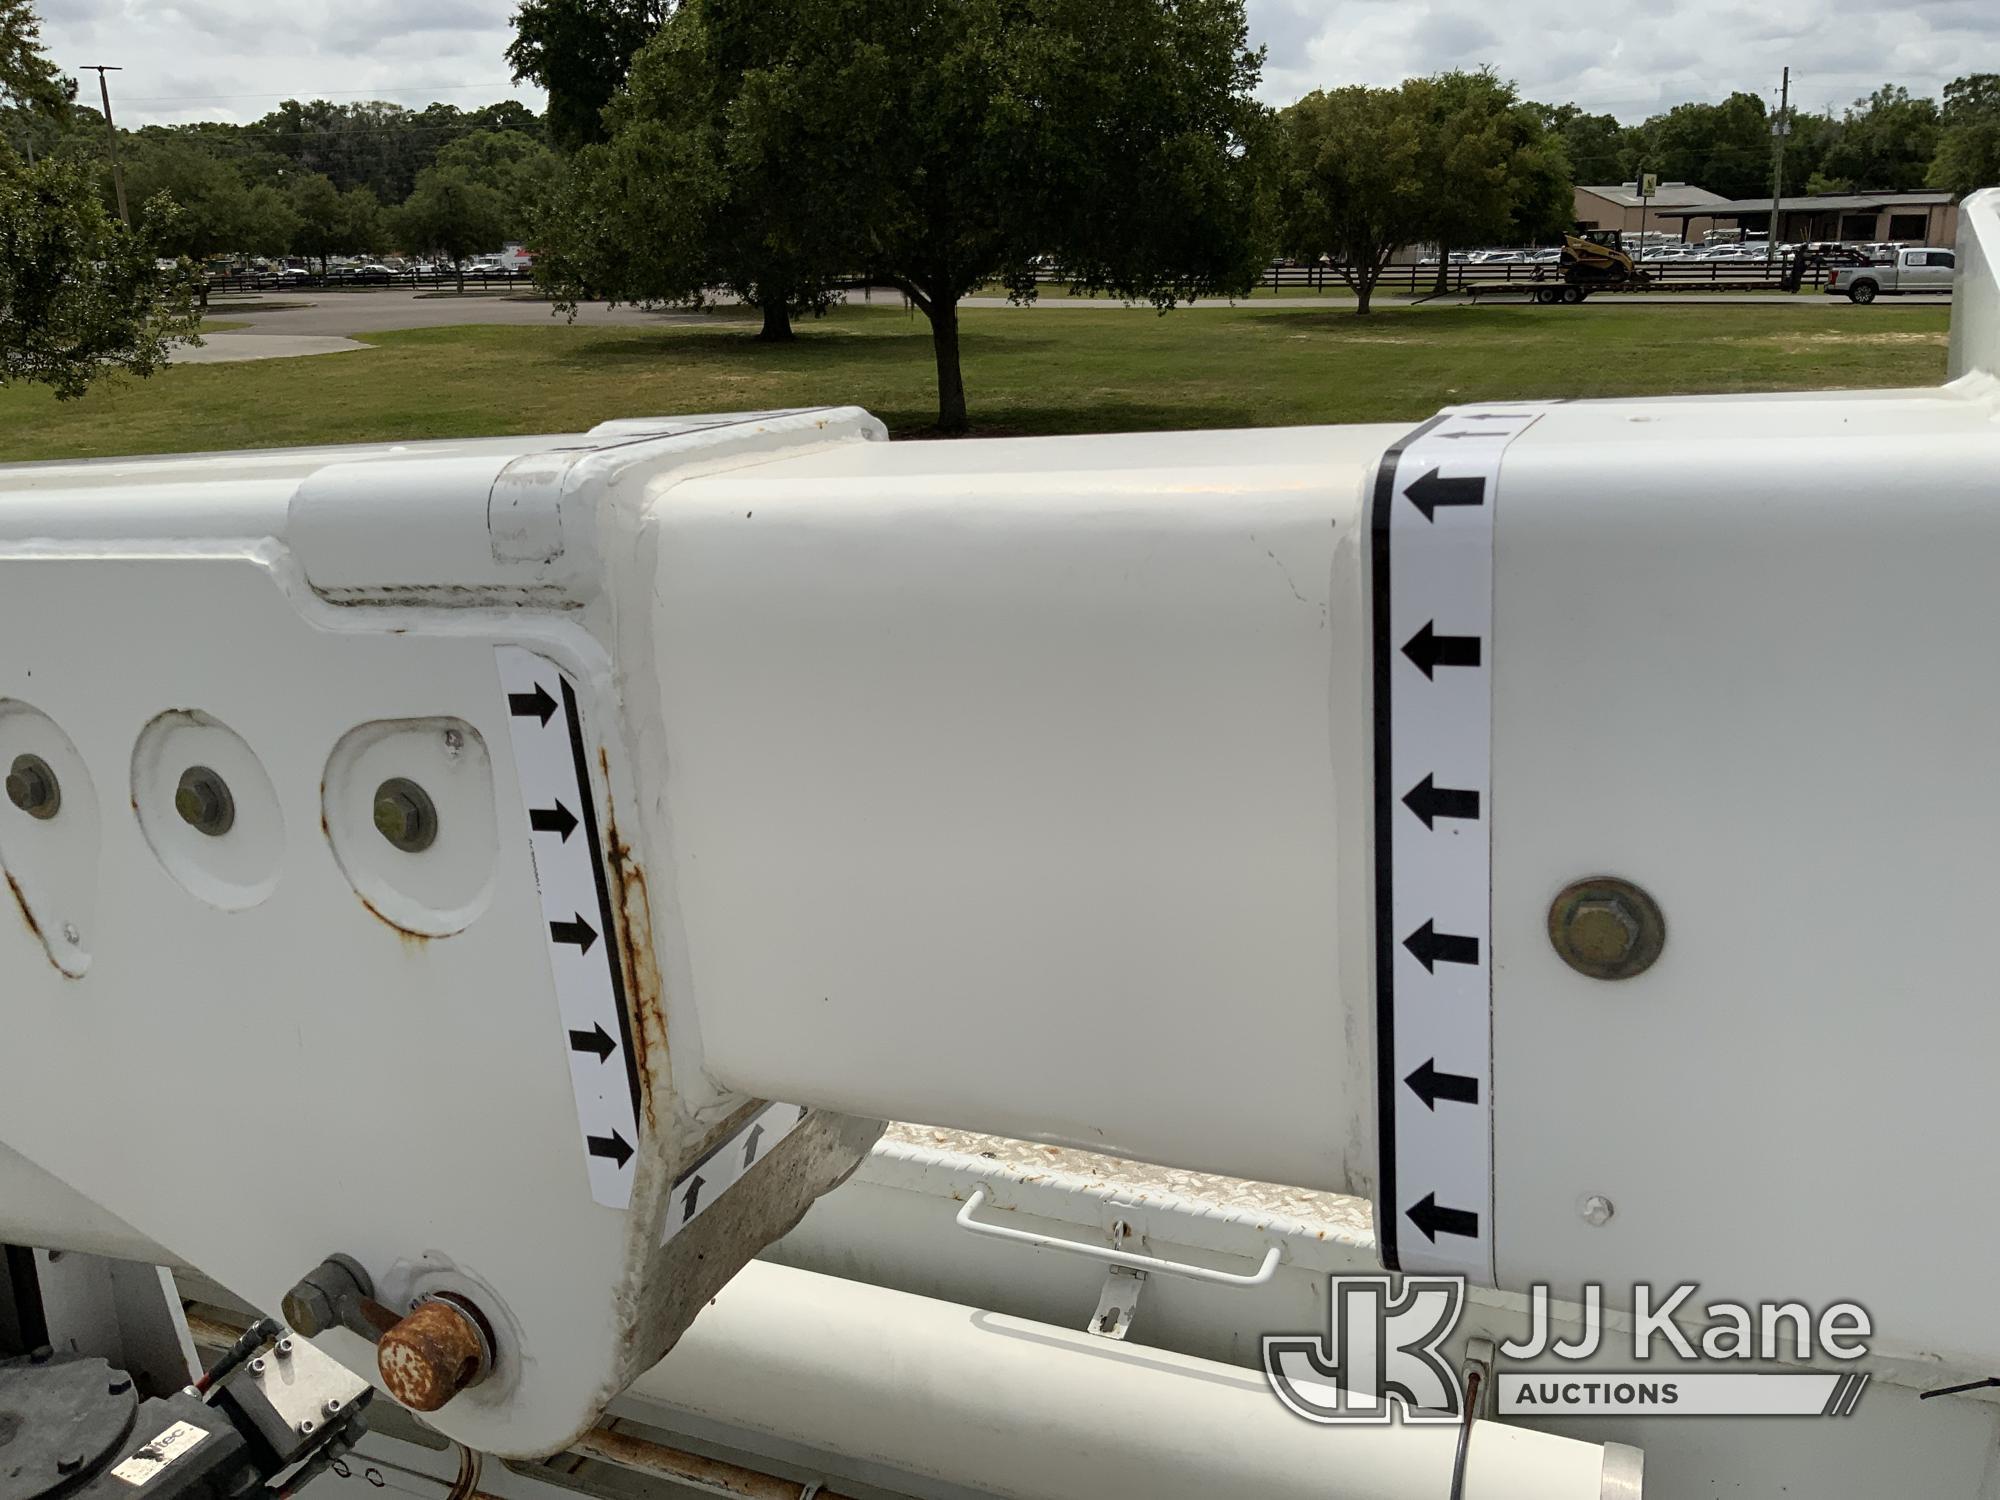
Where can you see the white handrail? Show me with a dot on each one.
(1262, 1274)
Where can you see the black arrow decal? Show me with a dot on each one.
(750, 1145)
(1431, 948)
(594, 1040)
(1430, 802)
(535, 705)
(1429, 1085)
(1434, 1221)
(689, 1199)
(1492, 416)
(613, 1145)
(578, 932)
(1486, 434)
(1429, 650)
(557, 819)
(1433, 490)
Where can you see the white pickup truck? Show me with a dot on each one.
(1916, 270)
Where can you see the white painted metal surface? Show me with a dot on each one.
(1762, 697)
(892, 1226)
(388, 1024)
(1022, 1410)
(1023, 786)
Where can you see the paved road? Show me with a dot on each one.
(344, 313)
(229, 348)
(309, 320)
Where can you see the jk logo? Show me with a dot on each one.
(1378, 1353)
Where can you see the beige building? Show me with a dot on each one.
(1618, 206)
(1925, 218)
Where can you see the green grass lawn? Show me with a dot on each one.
(1071, 370)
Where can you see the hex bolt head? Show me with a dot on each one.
(1606, 927)
(309, 1309)
(204, 802)
(1596, 1210)
(405, 815)
(69, 1463)
(32, 787)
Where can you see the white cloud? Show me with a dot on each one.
(234, 60)
(231, 59)
(1631, 58)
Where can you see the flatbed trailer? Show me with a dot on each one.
(1552, 291)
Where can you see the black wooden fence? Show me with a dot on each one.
(335, 281)
(1463, 276)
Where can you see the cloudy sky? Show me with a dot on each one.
(234, 59)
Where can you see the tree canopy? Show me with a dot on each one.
(1968, 150)
(1355, 182)
(1115, 139)
(1493, 171)
(80, 293)
(452, 213)
(579, 52)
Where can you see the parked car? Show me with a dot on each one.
(1919, 270)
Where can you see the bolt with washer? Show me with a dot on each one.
(1606, 927)
(1596, 1210)
(405, 815)
(32, 787)
(204, 801)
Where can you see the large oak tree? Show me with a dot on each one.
(933, 145)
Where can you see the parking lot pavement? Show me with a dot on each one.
(340, 315)
(345, 313)
(228, 348)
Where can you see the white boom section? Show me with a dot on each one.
(1030, 786)
(1026, 1411)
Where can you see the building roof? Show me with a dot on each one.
(1670, 195)
(1729, 208)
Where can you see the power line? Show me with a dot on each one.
(414, 88)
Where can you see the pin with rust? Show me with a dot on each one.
(443, 1347)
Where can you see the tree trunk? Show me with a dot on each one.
(950, 378)
(777, 323)
(1363, 290)
(459, 267)
(1444, 267)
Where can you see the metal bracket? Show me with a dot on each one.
(1117, 1303)
(1117, 1257)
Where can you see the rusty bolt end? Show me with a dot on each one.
(32, 787)
(1606, 928)
(433, 1354)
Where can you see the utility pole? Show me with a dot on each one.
(111, 132)
(1780, 128)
